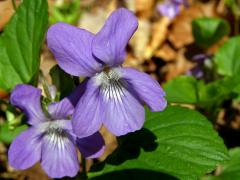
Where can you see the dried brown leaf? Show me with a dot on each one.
(6, 11)
(178, 67)
(144, 8)
(166, 53)
(159, 35)
(141, 38)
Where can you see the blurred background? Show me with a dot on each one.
(162, 46)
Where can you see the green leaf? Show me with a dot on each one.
(207, 96)
(7, 135)
(63, 81)
(134, 174)
(182, 89)
(213, 94)
(67, 12)
(186, 146)
(208, 31)
(20, 44)
(227, 57)
(231, 169)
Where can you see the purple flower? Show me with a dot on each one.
(50, 139)
(196, 71)
(202, 61)
(171, 8)
(114, 96)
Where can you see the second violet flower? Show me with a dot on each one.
(49, 139)
(171, 8)
(114, 96)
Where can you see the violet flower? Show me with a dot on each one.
(171, 8)
(202, 62)
(114, 96)
(50, 138)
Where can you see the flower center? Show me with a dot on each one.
(111, 84)
(54, 129)
(55, 133)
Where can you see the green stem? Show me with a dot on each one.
(84, 169)
(14, 5)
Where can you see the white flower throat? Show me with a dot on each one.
(111, 84)
(55, 132)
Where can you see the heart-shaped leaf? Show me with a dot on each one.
(208, 31)
(227, 57)
(186, 146)
(20, 44)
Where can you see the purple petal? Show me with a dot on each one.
(65, 108)
(91, 147)
(78, 92)
(87, 118)
(197, 72)
(25, 150)
(124, 113)
(110, 42)
(59, 157)
(200, 58)
(183, 2)
(178, 1)
(27, 98)
(169, 9)
(146, 88)
(71, 47)
(61, 110)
